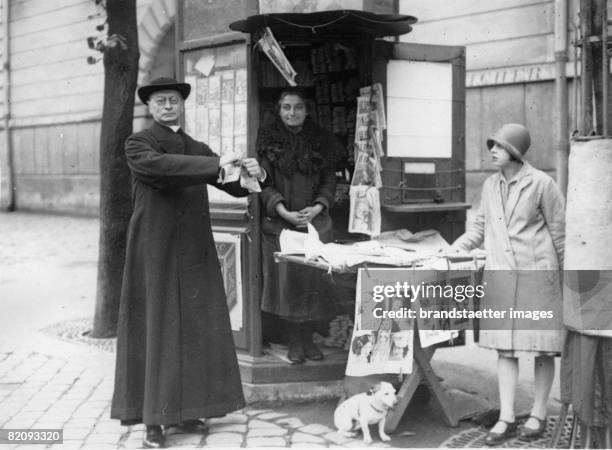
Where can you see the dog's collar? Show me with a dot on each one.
(376, 409)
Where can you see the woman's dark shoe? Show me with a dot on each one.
(154, 437)
(493, 438)
(296, 348)
(532, 433)
(311, 350)
(296, 353)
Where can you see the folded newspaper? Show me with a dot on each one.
(399, 248)
(426, 241)
(234, 172)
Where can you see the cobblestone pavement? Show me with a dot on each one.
(40, 391)
(48, 277)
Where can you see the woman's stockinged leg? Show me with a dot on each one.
(544, 373)
(507, 376)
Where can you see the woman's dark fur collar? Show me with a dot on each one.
(305, 151)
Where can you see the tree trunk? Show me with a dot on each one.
(120, 78)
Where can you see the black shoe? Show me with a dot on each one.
(311, 351)
(296, 352)
(154, 437)
(187, 427)
(497, 438)
(296, 349)
(532, 433)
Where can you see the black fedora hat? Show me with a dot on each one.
(162, 84)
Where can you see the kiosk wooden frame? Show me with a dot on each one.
(202, 29)
(423, 371)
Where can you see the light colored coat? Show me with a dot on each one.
(524, 243)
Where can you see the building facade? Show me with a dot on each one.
(49, 151)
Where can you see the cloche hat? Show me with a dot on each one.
(514, 137)
(162, 84)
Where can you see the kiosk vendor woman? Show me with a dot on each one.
(299, 157)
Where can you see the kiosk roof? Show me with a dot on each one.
(328, 22)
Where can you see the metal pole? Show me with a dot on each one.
(6, 100)
(586, 72)
(576, 73)
(561, 92)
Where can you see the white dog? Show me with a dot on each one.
(365, 409)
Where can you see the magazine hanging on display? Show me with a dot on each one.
(378, 346)
(365, 215)
(272, 49)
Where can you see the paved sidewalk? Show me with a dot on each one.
(48, 277)
(50, 392)
(41, 391)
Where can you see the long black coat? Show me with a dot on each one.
(292, 291)
(175, 353)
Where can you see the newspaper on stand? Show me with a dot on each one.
(392, 250)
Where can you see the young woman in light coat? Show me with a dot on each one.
(521, 224)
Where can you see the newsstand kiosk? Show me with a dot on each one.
(234, 88)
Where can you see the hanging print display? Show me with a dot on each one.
(364, 193)
(378, 344)
(272, 49)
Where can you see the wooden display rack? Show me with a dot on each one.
(422, 369)
(422, 372)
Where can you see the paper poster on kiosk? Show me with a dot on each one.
(378, 344)
(364, 210)
(272, 49)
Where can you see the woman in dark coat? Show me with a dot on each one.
(299, 158)
(176, 360)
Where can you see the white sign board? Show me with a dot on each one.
(419, 109)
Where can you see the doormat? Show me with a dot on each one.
(77, 331)
(474, 437)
